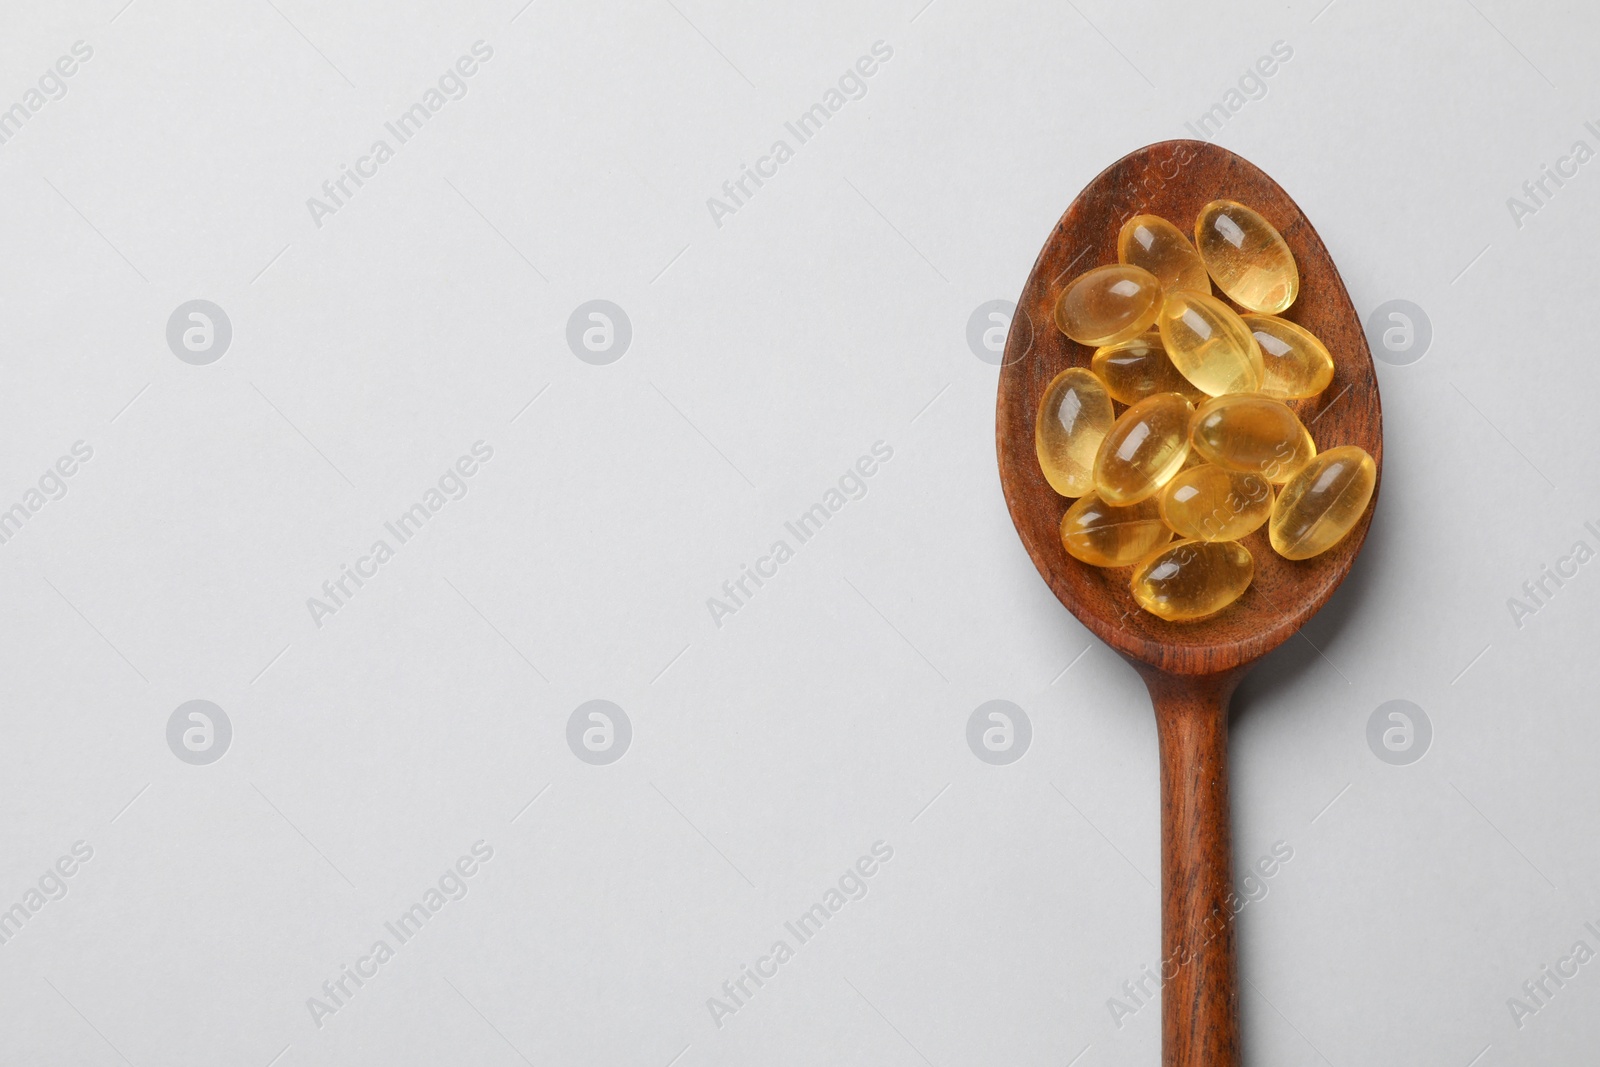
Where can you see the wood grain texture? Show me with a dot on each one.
(1191, 669)
(1199, 972)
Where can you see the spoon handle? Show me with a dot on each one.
(1199, 993)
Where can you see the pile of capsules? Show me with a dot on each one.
(1206, 435)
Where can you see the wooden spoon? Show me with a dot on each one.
(1191, 669)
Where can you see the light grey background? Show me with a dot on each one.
(829, 312)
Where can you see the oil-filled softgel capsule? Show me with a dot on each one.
(1192, 579)
(1295, 363)
(1210, 503)
(1209, 344)
(1151, 242)
(1322, 503)
(1145, 447)
(1133, 370)
(1074, 417)
(1109, 536)
(1247, 257)
(1252, 433)
(1108, 304)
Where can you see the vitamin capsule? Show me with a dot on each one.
(1193, 579)
(1252, 433)
(1107, 536)
(1133, 370)
(1209, 503)
(1108, 304)
(1151, 242)
(1074, 416)
(1297, 365)
(1209, 344)
(1322, 503)
(1246, 257)
(1145, 448)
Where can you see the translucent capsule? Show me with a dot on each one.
(1193, 579)
(1254, 434)
(1246, 257)
(1145, 448)
(1209, 344)
(1108, 304)
(1208, 503)
(1074, 416)
(1151, 242)
(1133, 370)
(1107, 536)
(1297, 365)
(1322, 503)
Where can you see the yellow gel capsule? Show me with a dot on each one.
(1145, 448)
(1151, 242)
(1322, 503)
(1193, 579)
(1246, 257)
(1254, 434)
(1209, 344)
(1133, 370)
(1107, 536)
(1108, 304)
(1297, 365)
(1209, 503)
(1074, 416)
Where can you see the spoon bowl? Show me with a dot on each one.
(1190, 668)
(1174, 179)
